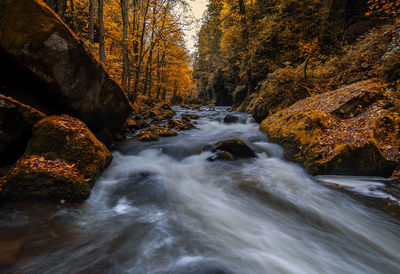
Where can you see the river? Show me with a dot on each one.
(161, 207)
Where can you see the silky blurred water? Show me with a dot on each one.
(161, 207)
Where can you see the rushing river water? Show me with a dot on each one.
(161, 207)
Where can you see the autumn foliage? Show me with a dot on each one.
(145, 53)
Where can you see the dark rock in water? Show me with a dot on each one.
(208, 148)
(39, 47)
(236, 147)
(62, 161)
(189, 117)
(229, 150)
(180, 124)
(16, 123)
(229, 119)
(149, 137)
(165, 107)
(223, 155)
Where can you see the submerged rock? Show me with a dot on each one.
(229, 119)
(189, 117)
(353, 130)
(222, 155)
(62, 160)
(39, 47)
(236, 147)
(16, 123)
(229, 150)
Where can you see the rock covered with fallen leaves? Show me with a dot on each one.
(16, 123)
(155, 119)
(183, 124)
(62, 160)
(157, 130)
(353, 130)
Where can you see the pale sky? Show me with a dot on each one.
(198, 7)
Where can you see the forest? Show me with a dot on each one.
(137, 136)
(141, 43)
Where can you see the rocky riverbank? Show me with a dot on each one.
(60, 94)
(353, 131)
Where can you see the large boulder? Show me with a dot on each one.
(62, 160)
(36, 46)
(69, 139)
(354, 130)
(16, 123)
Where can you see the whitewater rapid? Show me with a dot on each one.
(161, 207)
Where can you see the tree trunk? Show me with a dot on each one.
(160, 73)
(125, 59)
(71, 2)
(245, 39)
(140, 57)
(61, 7)
(91, 23)
(151, 46)
(175, 90)
(148, 78)
(102, 50)
(164, 93)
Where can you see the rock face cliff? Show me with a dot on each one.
(64, 77)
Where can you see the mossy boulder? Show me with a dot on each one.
(67, 138)
(34, 39)
(353, 130)
(37, 178)
(16, 123)
(62, 160)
